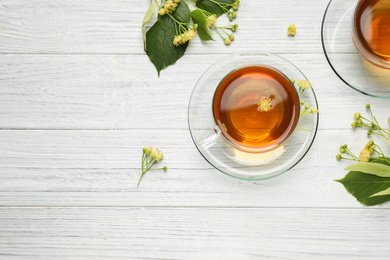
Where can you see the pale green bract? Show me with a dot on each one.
(303, 129)
(382, 193)
(147, 17)
(388, 133)
(377, 169)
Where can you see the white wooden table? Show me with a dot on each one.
(79, 99)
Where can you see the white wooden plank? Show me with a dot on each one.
(122, 92)
(101, 168)
(115, 27)
(191, 233)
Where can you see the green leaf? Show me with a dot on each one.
(147, 17)
(377, 169)
(214, 6)
(160, 49)
(159, 38)
(203, 30)
(362, 186)
(382, 193)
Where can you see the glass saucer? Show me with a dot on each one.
(222, 155)
(344, 58)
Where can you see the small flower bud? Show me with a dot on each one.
(353, 124)
(368, 106)
(356, 115)
(342, 150)
(314, 110)
(234, 14)
(369, 132)
(231, 37)
(302, 102)
(227, 41)
(292, 81)
(359, 121)
(235, 7)
(307, 106)
(338, 157)
(161, 11)
(230, 18)
(291, 30)
(165, 168)
(235, 26)
(195, 26)
(344, 146)
(233, 29)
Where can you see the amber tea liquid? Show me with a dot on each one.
(256, 107)
(373, 27)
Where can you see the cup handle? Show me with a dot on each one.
(209, 138)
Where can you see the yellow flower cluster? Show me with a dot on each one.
(264, 105)
(367, 151)
(292, 29)
(156, 154)
(304, 84)
(169, 7)
(184, 37)
(211, 20)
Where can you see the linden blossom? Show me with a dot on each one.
(291, 30)
(264, 104)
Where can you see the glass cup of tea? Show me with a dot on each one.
(244, 112)
(370, 28)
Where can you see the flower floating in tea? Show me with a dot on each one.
(167, 40)
(150, 156)
(368, 180)
(264, 104)
(291, 29)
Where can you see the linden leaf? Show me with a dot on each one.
(382, 193)
(377, 169)
(160, 49)
(214, 6)
(363, 186)
(203, 30)
(147, 17)
(159, 45)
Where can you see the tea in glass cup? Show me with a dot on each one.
(371, 31)
(256, 108)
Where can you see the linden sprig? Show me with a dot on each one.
(304, 108)
(150, 156)
(177, 24)
(368, 180)
(371, 124)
